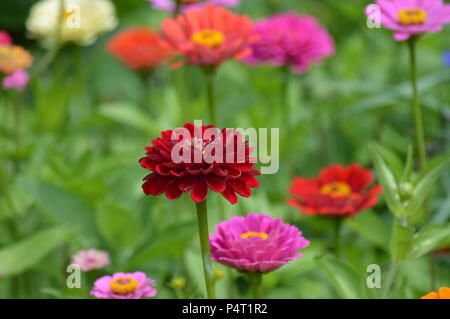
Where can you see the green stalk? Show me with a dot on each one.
(202, 220)
(209, 74)
(337, 236)
(256, 284)
(177, 8)
(390, 280)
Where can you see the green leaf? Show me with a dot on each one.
(62, 206)
(424, 188)
(344, 278)
(401, 241)
(131, 115)
(372, 227)
(387, 181)
(408, 169)
(118, 226)
(429, 238)
(21, 256)
(171, 239)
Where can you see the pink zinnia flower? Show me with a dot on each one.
(169, 5)
(256, 243)
(91, 259)
(121, 285)
(5, 38)
(410, 17)
(17, 80)
(291, 39)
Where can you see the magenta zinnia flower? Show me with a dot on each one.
(5, 38)
(91, 259)
(169, 5)
(256, 243)
(410, 17)
(17, 80)
(121, 285)
(291, 39)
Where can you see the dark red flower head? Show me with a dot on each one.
(337, 192)
(194, 159)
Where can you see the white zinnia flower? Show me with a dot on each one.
(82, 20)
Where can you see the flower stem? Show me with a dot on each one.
(256, 284)
(209, 74)
(177, 10)
(337, 236)
(390, 280)
(202, 219)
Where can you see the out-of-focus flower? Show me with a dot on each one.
(337, 192)
(180, 161)
(178, 283)
(291, 39)
(446, 58)
(170, 5)
(91, 259)
(82, 21)
(256, 243)
(13, 58)
(5, 38)
(444, 293)
(140, 48)
(411, 17)
(121, 285)
(210, 35)
(17, 80)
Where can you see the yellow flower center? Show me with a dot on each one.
(336, 189)
(124, 285)
(254, 234)
(209, 38)
(412, 16)
(66, 14)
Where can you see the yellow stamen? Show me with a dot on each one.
(209, 38)
(412, 16)
(253, 234)
(124, 285)
(336, 189)
(66, 14)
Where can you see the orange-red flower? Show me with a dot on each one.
(209, 35)
(140, 48)
(444, 293)
(337, 192)
(13, 58)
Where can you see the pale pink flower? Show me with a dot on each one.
(91, 259)
(17, 80)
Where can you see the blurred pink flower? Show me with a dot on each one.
(91, 259)
(5, 38)
(410, 17)
(124, 286)
(291, 39)
(169, 5)
(256, 243)
(17, 80)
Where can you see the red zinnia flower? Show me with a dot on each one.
(338, 192)
(199, 161)
(140, 48)
(210, 35)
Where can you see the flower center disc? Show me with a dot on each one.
(254, 234)
(124, 285)
(209, 38)
(336, 189)
(412, 16)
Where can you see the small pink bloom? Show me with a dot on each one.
(291, 39)
(17, 80)
(169, 5)
(91, 259)
(256, 243)
(121, 285)
(5, 38)
(410, 17)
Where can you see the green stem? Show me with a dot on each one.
(177, 10)
(180, 80)
(210, 96)
(420, 136)
(202, 219)
(390, 280)
(337, 236)
(256, 284)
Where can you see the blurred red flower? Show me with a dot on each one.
(140, 48)
(180, 163)
(337, 192)
(209, 35)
